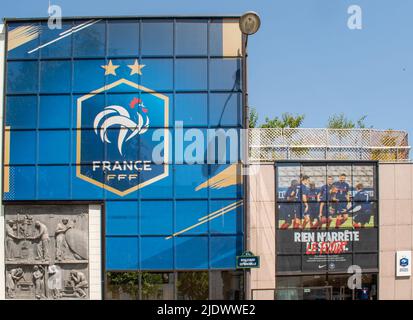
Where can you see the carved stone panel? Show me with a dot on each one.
(46, 251)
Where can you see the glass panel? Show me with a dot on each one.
(121, 218)
(191, 74)
(122, 286)
(53, 48)
(54, 182)
(156, 217)
(191, 252)
(365, 175)
(55, 112)
(21, 186)
(288, 263)
(225, 109)
(225, 217)
(54, 147)
(122, 253)
(191, 181)
(191, 37)
(123, 37)
(22, 38)
(286, 244)
(188, 215)
(22, 76)
(192, 109)
(192, 285)
(21, 112)
(288, 215)
(225, 175)
(157, 37)
(225, 74)
(363, 212)
(23, 148)
(288, 178)
(156, 253)
(163, 189)
(90, 41)
(226, 285)
(157, 286)
(155, 67)
(88, 76)
(224, 251)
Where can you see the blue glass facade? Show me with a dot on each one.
(173, 216)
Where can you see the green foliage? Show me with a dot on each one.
(128, 281)
(193, 285)
(287, 120)
(253, 118)
(340, 121)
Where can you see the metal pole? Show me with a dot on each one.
(245, 164)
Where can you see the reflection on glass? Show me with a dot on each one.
(193, 285)
(122, 286)
(226, 285)
(140, 285)
(91, 41)
(157, 286)
(322, 287)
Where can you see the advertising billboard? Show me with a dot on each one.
(120, 111)
(326, 216)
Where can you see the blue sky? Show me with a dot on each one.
(304, 59)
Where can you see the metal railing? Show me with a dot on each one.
(270, 144)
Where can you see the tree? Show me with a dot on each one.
(253, 118)
(340, 121)
(287, 120)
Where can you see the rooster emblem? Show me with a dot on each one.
(115, 115)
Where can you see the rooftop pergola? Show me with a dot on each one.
(270, 144)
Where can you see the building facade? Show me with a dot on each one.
(388, 232)
(102, 180)
(112, 187)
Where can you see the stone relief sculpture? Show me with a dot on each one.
(38, 282)
(11, 237)
(79, 283)
(11, 278)
(60, 236)
(40, 265)
(54, 283)
(43, 245)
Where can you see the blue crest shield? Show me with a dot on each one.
(114, 136)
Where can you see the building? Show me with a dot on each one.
(115, 186)
(312, 263)
(86, 109)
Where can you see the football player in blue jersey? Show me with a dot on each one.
(303, 197)
(362, 207)
(312, 215)
(290, 209)
(343, 198)
(323, 196)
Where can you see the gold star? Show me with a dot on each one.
(110, 68)
(136, 68)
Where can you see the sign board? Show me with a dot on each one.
(326, 213)
(248, 260)
(403, 263)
